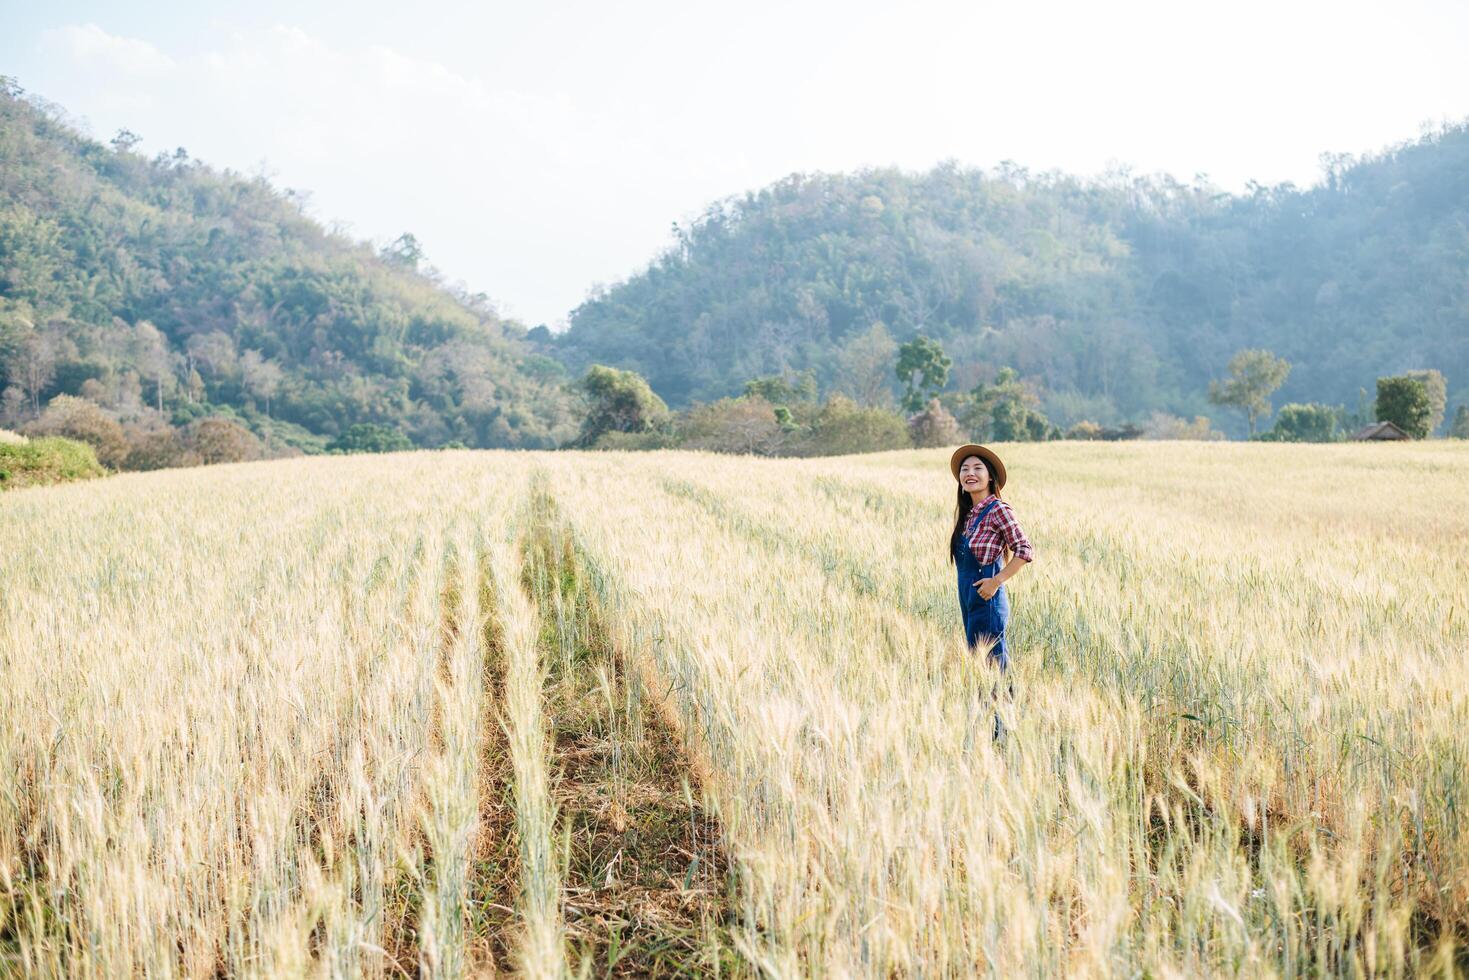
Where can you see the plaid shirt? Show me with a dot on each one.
(998, 531)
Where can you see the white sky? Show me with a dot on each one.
(536, 149)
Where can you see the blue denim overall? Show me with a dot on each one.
(984, 619)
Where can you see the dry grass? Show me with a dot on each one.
(235, 733)
(1240, 734)
(257, 720)
(8, 438)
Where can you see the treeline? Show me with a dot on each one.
(165, 293)
(780, 415)
(1115, 298)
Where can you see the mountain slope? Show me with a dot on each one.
(1119, 296)
(167, 283)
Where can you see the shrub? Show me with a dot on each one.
(368, 437)
(159, 450)
(636, 441)
(8, 438)
(1304, 423)
(1012, 421)
(1164, 426)
(1085, 430)
(217, 440)
(1006, 411)
(77, 418)
(842, 427)
(50, 459)
(934, 426)
(732, 425)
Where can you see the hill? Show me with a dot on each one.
(1119, 295)
(166, 290)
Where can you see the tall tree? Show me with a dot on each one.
(1254, 375)
(214, 351)
(1403, 400)
(617, 401)
(404, 250)
(1460, 427)
(151, 354)
(33, 358)
(262, 377)
(1007, 410)
(923, 370)
(1437, 390)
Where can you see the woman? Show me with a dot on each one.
(984, 529)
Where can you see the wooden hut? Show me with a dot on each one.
(1380, 432)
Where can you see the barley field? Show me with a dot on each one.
(675, 714)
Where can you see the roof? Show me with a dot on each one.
(1379, 431)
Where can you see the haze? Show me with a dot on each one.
(538, 149)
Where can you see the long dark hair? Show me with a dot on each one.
(965, 504)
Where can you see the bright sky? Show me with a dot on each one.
(538, 148)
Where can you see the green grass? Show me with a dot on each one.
(49, 460)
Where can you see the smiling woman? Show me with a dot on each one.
(984, 529)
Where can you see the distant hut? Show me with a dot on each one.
(1380, 432)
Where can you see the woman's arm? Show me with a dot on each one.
(989, 586)
(1015, 541)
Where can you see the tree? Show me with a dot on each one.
(151, 354)
(617, 401)
(125, 140)
(923, 369)
(262, 377)
(1305, 423)
(194, 386)
(32, 362)
(1254, 375)
(1438, 395)
(1404, 401)
(12, 405)
(862, 367)
(214, 351)
(1007, 410)
(404, 250)
(1460, 427)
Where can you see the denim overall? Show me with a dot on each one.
(984, 619)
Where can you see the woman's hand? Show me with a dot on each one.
(987, 588)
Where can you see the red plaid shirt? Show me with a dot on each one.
(998, 531)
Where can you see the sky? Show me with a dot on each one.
(537, 150)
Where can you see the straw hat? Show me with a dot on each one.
(997, 468)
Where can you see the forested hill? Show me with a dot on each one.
(1117, 296)
(165, 290)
